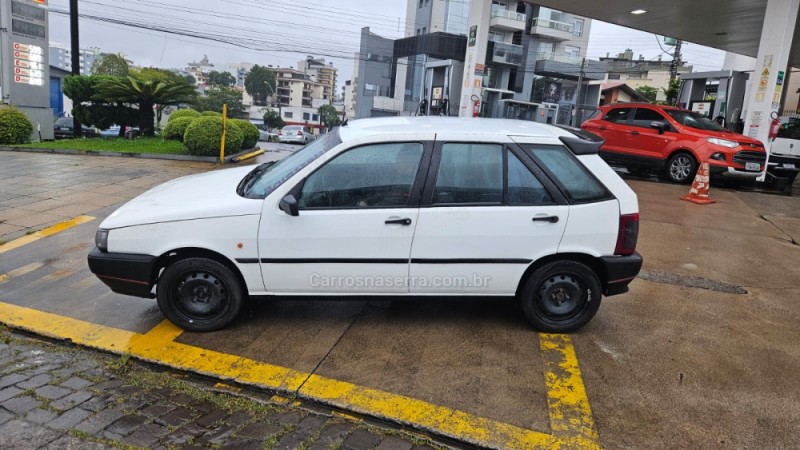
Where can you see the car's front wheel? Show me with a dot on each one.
(681, 168)
(561, 296)
(199, 294)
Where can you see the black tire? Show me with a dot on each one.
(199, 294)
(681, 168)
(561, 297)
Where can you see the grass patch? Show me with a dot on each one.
(139, 145)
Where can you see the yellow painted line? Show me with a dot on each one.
(252, 154)
(3, 278)
(24, 270)
(227, 387)
(49, 231)
(570, 415)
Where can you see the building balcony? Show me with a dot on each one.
(551, 29)
(505, 54)
(559, 57)
(507, 20)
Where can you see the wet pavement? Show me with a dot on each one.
(54, 397)
(684, 360)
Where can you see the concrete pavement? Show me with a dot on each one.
(664, 365)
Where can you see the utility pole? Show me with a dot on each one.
(578, 93)
(76, 58)
(676, 61)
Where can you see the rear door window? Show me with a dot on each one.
(470, 173)
(575, 180)
(618, 115)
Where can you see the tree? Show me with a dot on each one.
(223, 79)
(147, 94)
(648, 92)
(671, 92)
(190, 79)
(160, 75)
(218, 96)
(91, 109)
(272, 119)
(110, 64)
(329, 115)
(260, 84)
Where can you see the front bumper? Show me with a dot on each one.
(730, 172)
(124, 273)
(620, 271)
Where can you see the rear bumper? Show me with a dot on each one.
(124, 273)
(292, 139)
(620, 271)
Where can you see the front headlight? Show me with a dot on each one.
(101, 239)
(723, 142)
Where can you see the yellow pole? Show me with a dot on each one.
(224, 129)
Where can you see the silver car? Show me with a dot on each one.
(295, 134)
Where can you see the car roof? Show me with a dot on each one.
(447, 125)
(638, 104)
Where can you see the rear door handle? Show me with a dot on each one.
(602, 128)
(635, 133)
(551, 219)
(405, 221)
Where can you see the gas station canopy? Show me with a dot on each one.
(731, 25)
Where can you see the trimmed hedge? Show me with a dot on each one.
(175, 129)
(210, 114)
(183, 113)
(251, 134)
(203, 136)
(15, 128)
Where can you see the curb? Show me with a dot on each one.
(63, 151)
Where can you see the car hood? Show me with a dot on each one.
(205, 195)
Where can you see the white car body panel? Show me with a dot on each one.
(785, 147)
(210, 194)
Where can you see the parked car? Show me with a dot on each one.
(642, 135)
(65, 128)
(400, 207)
(295, 134)
(784, 158)
(264, 134)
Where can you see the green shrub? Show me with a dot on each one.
(175, 129)
(203, 137)
(183, 113)
(210, 114)
(251, 134)
(15, 128)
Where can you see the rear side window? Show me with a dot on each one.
(573, 178)
(523, 187)
(618, 115)
(470, 173)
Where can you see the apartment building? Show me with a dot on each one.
(322, 73)
(61, 57)
(640, 72)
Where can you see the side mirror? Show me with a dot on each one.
(658, 125)
(288, 205)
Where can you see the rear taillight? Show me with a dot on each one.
(628, 234)
(299, 133)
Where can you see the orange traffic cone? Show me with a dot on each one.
(700, 186)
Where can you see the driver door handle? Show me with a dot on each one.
(635, 133)
(602, 128)
(405, 221)
(551, 219)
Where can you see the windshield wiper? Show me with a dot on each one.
(251, 177)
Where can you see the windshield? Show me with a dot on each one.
(266, 179)
(694, 120)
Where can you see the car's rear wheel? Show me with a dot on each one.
(561, 296)
(199, 294)
(681, 168)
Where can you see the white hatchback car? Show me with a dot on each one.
(393, 207)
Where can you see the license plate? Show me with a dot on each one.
(64, 128)
(789, 165)
(752, 166)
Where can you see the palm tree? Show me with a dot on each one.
(146, 94)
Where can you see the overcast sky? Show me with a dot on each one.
(282, 32)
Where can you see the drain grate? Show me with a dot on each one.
(692, 282)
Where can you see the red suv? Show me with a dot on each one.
(640, 136)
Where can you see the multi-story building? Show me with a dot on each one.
(637, 73)
(324, 74)
(238, 70)
(61, 57)
(297, 98)
(200, 70)
(534, 59)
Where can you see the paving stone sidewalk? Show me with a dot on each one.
(56, 397)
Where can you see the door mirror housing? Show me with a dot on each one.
(659, 125)
(288, 205)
